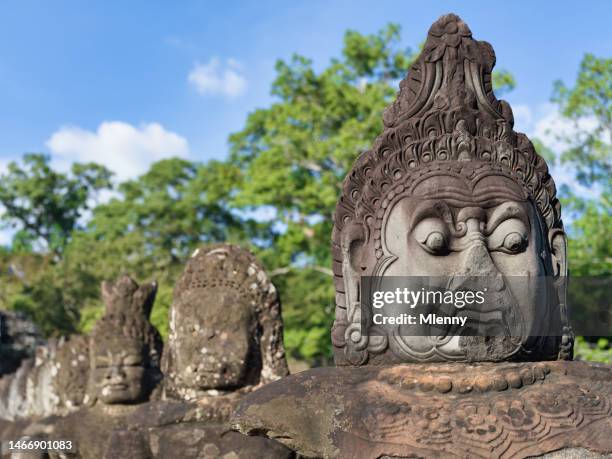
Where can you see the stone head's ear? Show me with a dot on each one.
(272, 348)
(353, 240)
(558, 248)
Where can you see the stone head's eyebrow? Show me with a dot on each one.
(504, 212)
(431, 208)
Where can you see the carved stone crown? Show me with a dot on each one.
(445, 117)
(128, 308)
(232, 268)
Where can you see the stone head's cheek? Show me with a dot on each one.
(395, 240)
(134, 374)
(523, 275)
(189, 337)
(236, 354)
(414, 260)
(135, 380)
(98, 377)
(522, 264)
(218, 362)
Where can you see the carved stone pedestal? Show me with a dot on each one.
(508, 410)
(173, 429)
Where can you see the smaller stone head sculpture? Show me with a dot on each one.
(225, 325)
(125, 349)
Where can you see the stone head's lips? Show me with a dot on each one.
(116, 387)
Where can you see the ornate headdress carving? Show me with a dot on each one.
(128, 308)
(445, 119)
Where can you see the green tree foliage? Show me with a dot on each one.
(27, 284)
(292, 157)
(147, 229)
(45, 205)
(588, 104)
(168, 211)
(599, 351)
(503, 82)
(150, 227)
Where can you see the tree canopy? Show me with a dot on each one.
(45, 205)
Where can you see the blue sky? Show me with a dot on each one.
(127, 83)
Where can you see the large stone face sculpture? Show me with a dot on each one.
(225, 340)
(449, 191)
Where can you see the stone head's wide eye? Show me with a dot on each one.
(432, 234)
(514, 242)
(436, 242)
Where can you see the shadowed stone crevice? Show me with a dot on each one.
(19, 338)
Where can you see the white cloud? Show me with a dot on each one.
(4, 162)
(523, 117)
(545, 123)
(214, 78)
(126, 150)
(6, 237)
(554, 130)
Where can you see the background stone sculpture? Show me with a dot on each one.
(124, 359)
(225, 340)
(53, 382)
(449, 189)
(225, 326)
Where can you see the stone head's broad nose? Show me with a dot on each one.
(115, 372)
(477, 261)
(477, 268)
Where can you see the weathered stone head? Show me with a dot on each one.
(450, 190)
(225, 325)
(71, 369)
(125, 349)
